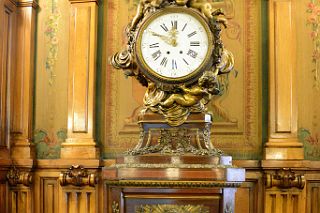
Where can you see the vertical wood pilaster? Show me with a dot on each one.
(7, 67)
(81, 82)
(282, 142)
(22, 81)
(17, 63)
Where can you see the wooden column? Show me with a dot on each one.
(282, 142)
(81, 83)
(7, 67)
(21, 94)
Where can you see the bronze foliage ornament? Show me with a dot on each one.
(285, 179)
(77, 176)
(115, 207)
(15, 177)
(163, 208)
(176, 100)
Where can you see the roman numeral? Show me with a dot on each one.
(192, 34)
(174, 24)
(194, 43)
(156, 55)
(174, 64)
(184, 26)
(164, 62)
(192, 53)
(185, 61)
(154, 45)
(164, 27)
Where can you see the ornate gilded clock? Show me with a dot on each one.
(174, 45)
(175, 50)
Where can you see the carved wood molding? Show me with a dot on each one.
(77, 176)
(15, 177)
(285, 179)
(27, 3)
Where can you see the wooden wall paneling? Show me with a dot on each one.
(77, 199)
(284, 201)
(313, 197)
(22, 81)
(249, 197)
(3, 190)
(7, 66)
(46, 191)
(20, 199)
(282, 142)
(81, 80)
(312, 192)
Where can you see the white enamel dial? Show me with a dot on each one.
(174, 45)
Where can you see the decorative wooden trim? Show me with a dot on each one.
(285, 179)
(78, 176)
(15, 177)
(283, 142)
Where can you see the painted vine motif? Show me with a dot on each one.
(311, 144)
(48, 145)
(313, 20)
(51, 31)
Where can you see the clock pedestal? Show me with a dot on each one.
(192, 137)
(171, 183)
(173, 169)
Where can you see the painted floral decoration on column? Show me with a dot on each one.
(51, 31)
(313, 20)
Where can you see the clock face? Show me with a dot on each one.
(174, 45)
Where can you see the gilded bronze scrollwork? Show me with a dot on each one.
(178, 141)
(15, 177)
(284, 179)
(77, 176)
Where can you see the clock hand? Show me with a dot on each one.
(166, 39)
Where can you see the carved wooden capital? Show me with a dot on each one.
(15, 177)
(78, 176)
(285, 178)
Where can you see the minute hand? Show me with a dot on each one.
(166, 39)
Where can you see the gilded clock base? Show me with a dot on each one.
(190, 138)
